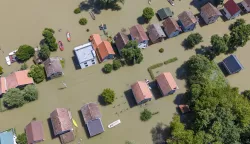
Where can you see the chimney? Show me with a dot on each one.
(49, 63)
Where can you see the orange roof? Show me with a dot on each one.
(105, 49)
(141, 91)
(166, 82)
(3, 86)
(96, 40)
(18, 78)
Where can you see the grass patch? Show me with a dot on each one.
(170, 60)
(62, 61)
(150, 69)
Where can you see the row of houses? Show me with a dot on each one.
(62, 125)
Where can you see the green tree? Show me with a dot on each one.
(49, 39)
(44, 52)
(237, 23)
(25, 52)
(131, 53)
(77, 10)
(148, 13)
(218, 2)
(22, 139)
(145, 115)
(13, 98)
(83, 21)
(24, 66)
(192, 40)
(37, 73)
(116, 64)
(113, 4)
(246, 94)
(107, 68)
(219, 44)
(108, 96)
(1, 70)
(30, 93)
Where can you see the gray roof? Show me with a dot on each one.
(85, 53)
(121, 40)
(164, 13)
(53, 66)
(155, 32)
(232, 64)
(95, 127)
(187, 18)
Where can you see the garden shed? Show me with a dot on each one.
(164, 13)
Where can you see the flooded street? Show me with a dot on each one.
(23, 22)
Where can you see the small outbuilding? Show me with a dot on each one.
(34, 132)
(231, 9)
(53, 67)
(166, 83)
(232, 64)
(164, 13)
(92, 118)
(141, 92)
(155, 32)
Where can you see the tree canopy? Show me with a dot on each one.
(239, 35)
(116, 64)
(37, 73)
(107, 68)
(221, 114)
(25, 52)
(44, 52)
(131, 53)
(112, 4)
(148, 13)
(22, 139)
(1, 70)
(49, 39)
(145, 115)
(192, 40)
(219, 44)
(30, 93)
(108, 96)
(13, 98)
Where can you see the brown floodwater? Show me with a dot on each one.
(22, 22)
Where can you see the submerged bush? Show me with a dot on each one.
(77, 11)
(107, 68)
(145, 115)
(161, 50)
(108, 95)
(83, 21)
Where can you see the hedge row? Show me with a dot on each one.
(170, 60)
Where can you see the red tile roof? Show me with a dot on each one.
(231, 7)
(210, 11)
(96, 40)
(141, 91)
(121, 40)
(104, 49)
(187, 18)
(3, 85)
(18, 78)
(166, 82)
(61, 120)
(34, 132)
(138, 33)
(67, 137)
(247, 2)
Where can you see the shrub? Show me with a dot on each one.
(24, 66)
(116, 64)
(22, 139)
(193, 39)
(170, 60)
(87, 30)
(30, 93)
(37, 73)
(107, 68)
(62, 63)
(161, 50)
(148, 13)
(77, 10)
(44, 53)
(145, 115)
(13, 98)
(25, 52)
(1, 70)
(49, 39)
(83, 21)
(153, 67)
(246, 94)
(108, 95)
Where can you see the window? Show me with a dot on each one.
(93, 62)
(86, 65)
